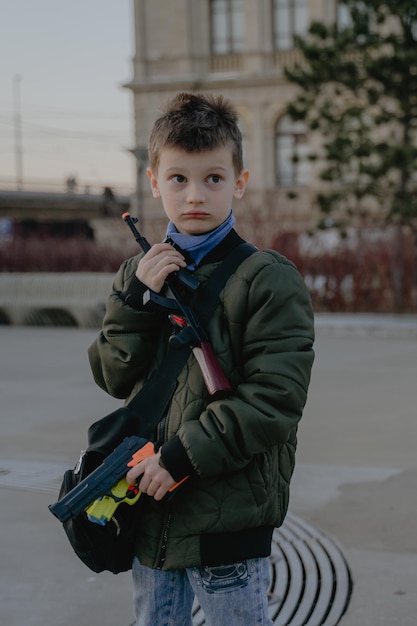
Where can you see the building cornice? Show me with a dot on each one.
(212, 81)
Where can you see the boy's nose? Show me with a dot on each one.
(195, 194)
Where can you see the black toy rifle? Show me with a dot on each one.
(193, 333)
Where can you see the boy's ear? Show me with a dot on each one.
(154, 183)
(240, 184)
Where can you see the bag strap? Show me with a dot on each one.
(208, 299)
(156, 394)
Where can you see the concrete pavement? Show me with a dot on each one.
(357, 461)
(355, 477)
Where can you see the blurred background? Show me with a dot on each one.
(327, 97)
(326, 92)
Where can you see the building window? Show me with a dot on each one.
(344, 19)
(227, 26)
(291, 154)
(289, 18)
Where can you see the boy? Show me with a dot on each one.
(213, 538)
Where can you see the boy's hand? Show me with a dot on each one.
(155, 480)
(160, 261)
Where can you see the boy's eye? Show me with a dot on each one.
(214, 178)
(178, 178)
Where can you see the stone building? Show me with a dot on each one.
(238, 48)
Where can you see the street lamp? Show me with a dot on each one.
(141, 155)
(18, 132)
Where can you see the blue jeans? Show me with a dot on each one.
(229, 595)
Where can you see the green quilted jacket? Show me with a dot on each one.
(238, 451)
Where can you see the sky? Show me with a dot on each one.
(62, 67)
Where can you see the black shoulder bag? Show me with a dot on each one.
(111, 547)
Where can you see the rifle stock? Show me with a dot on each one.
(214, 377)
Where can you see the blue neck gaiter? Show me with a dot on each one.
(199, 245)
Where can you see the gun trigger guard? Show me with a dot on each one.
(186, 337)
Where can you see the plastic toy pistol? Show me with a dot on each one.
(102, 509)
(192, 332)
(101, 492)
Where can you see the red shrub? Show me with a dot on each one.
(372, 276)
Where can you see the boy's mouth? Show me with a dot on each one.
(195, 214)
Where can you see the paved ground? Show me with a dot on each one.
(355, 478)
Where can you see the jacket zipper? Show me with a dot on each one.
(161, 431)
(163, 549)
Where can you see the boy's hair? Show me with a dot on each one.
(194, 123)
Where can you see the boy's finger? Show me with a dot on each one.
(133, 474)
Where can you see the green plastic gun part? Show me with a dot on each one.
(102, 510)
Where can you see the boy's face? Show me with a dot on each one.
(197, 188)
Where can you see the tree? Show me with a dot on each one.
(358, 94)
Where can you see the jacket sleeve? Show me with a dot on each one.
(121, 355)
(270, 322)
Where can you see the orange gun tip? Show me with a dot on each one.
(143, 453)
(125, 215)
